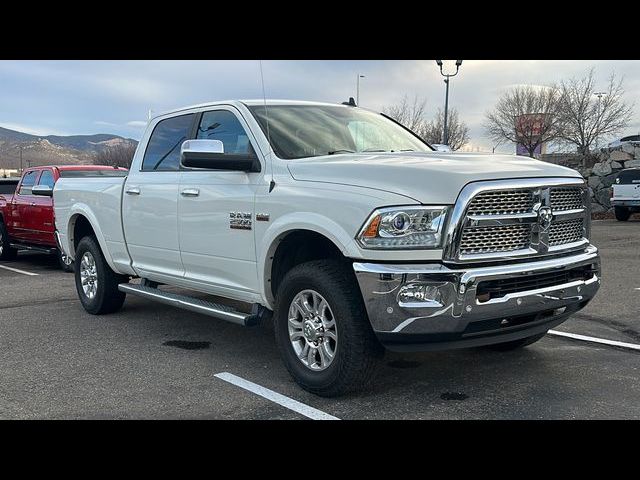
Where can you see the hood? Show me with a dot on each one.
(429, 178)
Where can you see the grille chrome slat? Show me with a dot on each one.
(505, 222)
(501, 202)
(566, 232)
(495, 239)
(568, 198)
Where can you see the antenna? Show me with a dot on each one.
(272, 183)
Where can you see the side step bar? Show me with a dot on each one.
(197, 305)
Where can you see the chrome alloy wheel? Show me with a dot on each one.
(312, 330)
(89, 275)
(1, 242)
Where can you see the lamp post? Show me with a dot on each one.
(599, 95)
(445, 136)
(358, 89)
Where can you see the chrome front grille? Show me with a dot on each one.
(501, 202)
(566, 232)
(495, 239)
(566, 198)
(507, 218)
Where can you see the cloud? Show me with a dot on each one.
(137, 123)
(32, 129)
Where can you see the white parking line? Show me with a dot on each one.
(632, 346)
(276, 397)
(18, 271)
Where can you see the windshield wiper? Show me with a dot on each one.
(334, 152)
(372, 150)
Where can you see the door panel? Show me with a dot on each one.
(22, 221)
(150, 201)
(150, 222)
(41, 214)
(213, 253)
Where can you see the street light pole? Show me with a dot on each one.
(599, 95)
(358, 89)
(445, 135)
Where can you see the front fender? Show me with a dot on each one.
(287, 223)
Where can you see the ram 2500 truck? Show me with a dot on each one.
(343, 226)
(26, 214)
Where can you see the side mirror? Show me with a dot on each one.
(42, 190)
(210, 154)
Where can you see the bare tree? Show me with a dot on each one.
(525, 115)
(410, 114)
(585, 117)
(119, 155)
(458, 130)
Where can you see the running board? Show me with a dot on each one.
(197, 305)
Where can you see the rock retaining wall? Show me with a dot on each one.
(600, 170)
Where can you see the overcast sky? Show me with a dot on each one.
(86, 97)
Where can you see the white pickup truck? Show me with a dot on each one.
(343, 226)
(625, 198)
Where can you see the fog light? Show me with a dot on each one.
(422, 294)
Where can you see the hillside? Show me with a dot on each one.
(53, 149)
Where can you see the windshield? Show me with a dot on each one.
(298, 131)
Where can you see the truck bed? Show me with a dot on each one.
(99, 199)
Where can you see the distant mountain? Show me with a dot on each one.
(53, 149)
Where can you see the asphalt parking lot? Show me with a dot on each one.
(149, 361)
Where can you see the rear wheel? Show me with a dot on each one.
(96, 283)
(322, 329)
(65, 262)
(6, 252)
(523, 342)
(622, 214)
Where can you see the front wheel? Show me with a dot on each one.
(513, 345)
(622, 214)
(6, 252)
(322, 329)
(96, 283)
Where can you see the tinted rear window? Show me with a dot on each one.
(627, 177)
(8, 187)
(93, 173)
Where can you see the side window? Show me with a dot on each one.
(224, 126)
(47, 178)
(28, 182)
(163, 149)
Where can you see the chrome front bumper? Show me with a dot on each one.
(434, 306)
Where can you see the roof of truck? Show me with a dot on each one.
(247, 102)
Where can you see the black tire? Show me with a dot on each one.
(7, 252)
(523, 342)
(357, 351)
(108, 298)
(65, 265)
(622, 214)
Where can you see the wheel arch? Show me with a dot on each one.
(288, 245)
(82, 223)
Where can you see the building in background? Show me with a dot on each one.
(8, 172)
(529, 127)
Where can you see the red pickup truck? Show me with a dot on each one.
(26, 214)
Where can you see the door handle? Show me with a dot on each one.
(33, 204)
(190, 192)
(132, 191)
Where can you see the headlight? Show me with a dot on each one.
(404, 227)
